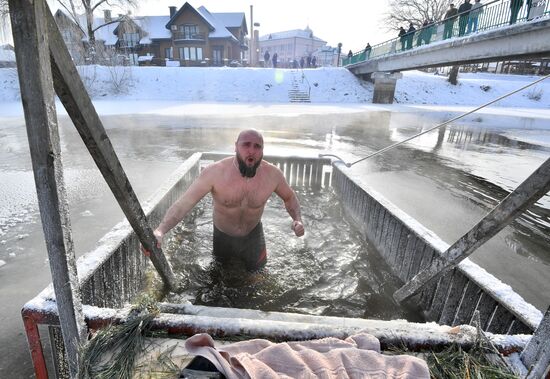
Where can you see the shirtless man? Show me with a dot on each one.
(240, 187)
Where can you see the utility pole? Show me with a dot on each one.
(251, 48)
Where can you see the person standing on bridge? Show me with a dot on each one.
(410, 36)
(368, 49)
(449, 19)
(464, 12)
(402, 38)
(515, 7)
(421, 35)
(477, 9)
(430, 29)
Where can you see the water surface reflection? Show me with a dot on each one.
(446, 180)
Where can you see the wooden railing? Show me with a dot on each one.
(407, 247)
(113, 273)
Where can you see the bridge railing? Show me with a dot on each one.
(492, 15)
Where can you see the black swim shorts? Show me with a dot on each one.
(248, 250)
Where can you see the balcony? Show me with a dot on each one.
(123, 44)
(182, 36)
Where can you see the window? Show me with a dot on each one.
(191, 53)
(168, 53)
(189, 31)
(130, 39)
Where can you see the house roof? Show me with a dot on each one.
(298, 33)
(154, 27)
(232, 20)
(220, 31)
(183, 8)
(158, 27)
(105, 33)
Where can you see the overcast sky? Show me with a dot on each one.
(352, 22)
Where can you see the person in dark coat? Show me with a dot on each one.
(302, 62)
(463, 14)
(314, 62)
(402, 37)
(274, 60)
(410, 36)
(308, 61)
(515, 7)
(368, 49)
(449, 19)
(266, 58)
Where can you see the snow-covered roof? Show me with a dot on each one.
(220, 31)
(299, 33)
(230, 20)
(154, 27)
(189, 6)
(105, 33)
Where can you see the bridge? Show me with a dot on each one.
(499, 35)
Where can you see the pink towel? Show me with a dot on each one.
(357, 356)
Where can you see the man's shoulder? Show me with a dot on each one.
(218, 166)
(271, 168)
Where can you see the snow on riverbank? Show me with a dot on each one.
(335, 86)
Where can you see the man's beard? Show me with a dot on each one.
(248, 172)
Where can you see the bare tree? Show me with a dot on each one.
(402, 12)
(5, 28)
(3, 8)
(88, 7)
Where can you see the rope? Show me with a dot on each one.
(438, 126)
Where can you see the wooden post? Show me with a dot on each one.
(536, 355)
(528, 192)
(75, 99)
(37, 96)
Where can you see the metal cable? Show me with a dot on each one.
(440, 125)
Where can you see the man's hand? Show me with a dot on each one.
(298, 228)
(159, 236)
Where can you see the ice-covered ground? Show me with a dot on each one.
(246, 91)
(257, 86)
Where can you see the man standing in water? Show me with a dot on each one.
(240, 187)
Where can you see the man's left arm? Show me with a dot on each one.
(292, 205)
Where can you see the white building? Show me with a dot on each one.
(290, 45)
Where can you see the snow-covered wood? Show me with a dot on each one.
(77, 102)
(527, 193)
(37, 95)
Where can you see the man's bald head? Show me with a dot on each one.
(250, 133)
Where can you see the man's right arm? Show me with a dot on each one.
(200, 187)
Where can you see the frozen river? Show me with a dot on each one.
(446, 180)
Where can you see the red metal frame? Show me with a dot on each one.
(35, 345)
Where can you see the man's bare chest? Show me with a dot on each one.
(242, 193)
